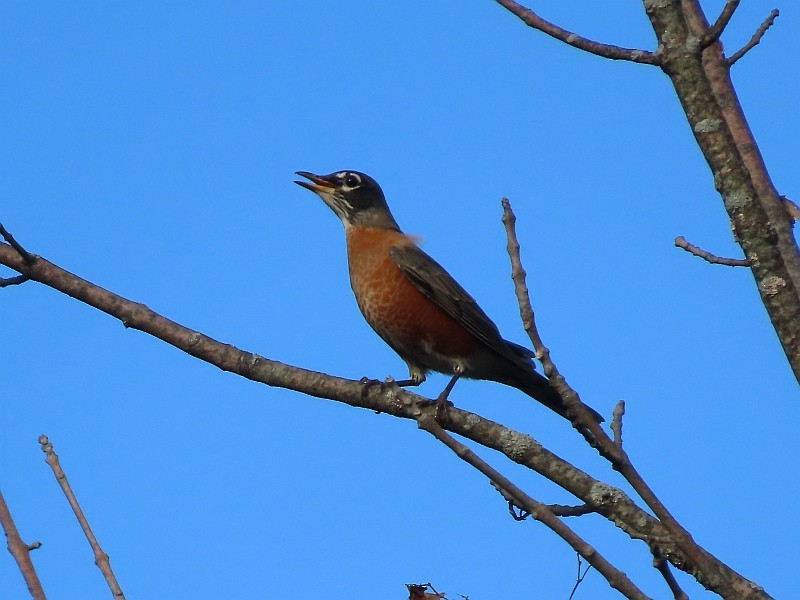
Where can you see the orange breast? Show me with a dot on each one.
(404, 317)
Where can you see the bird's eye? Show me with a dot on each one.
(352, 180)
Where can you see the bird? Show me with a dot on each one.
(414, 304)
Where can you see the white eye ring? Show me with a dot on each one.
(351, 180)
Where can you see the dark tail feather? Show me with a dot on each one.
(538, 388)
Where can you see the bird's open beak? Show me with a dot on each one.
(318, 184)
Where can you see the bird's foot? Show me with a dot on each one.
(441, 403)
(388, 382)
(368, 383)
(442, 406)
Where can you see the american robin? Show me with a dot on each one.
(414, 304)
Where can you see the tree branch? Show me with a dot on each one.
(616, 578)
(13, 280)
(616, 422)
(681, 242)
(757, 213)
(559, 510)
(712, 33)
(521, 448)
(756, 39)
(100, 557)
(26, 256)
(531, 19)
(579, 578)
(20, 551)
(597, 437)
(662, 567)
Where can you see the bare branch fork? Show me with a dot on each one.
(531, 19)
(712, 33)
(24, 254)
(539, 511)
(662, 566)
(758, 216)
(605, 499)
(700, 75)
(28, 258)
(761, 224)
(579, 578)
(611, 450)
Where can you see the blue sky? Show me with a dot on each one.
(150, 148)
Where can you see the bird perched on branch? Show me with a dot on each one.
(414, 304)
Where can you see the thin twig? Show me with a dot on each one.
(616, 578)
(26, 256)
(663, 567)
(516, 512)
(21, 552)
(563, 510)
(559, 510)
(681, 242)
(531, 19)
(100, 557)
(712, 33)
(616, 422)
(756, 39)
(580, 577)
(16, 280)
(577, 411)
(583, 422)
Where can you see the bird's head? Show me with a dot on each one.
(355, 197)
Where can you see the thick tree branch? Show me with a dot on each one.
(702, 82)
(608, 501)
(531, 19)
(521, 448)
(757, 214)
(616, 578)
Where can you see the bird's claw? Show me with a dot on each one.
(367, 383)
(442, 406)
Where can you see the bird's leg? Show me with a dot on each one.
(441, 399)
